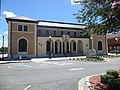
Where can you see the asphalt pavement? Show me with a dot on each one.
(50, 75)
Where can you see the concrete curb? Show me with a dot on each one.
(18, 61)
(84, 83)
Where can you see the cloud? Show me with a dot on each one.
(5, 33)
(9, 14)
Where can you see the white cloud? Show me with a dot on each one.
(5, 33)
(9, 14)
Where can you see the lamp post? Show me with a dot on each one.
(3, 47)
(50, 47)
(117, 39)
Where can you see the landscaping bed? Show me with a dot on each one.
(90, 59)
(108, 81)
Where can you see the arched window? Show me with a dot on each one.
(22, 45)
(99, 45)
(74, 46)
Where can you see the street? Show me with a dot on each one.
(50, 75)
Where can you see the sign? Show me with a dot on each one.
(92, 52)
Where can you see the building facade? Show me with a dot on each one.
(39, 38)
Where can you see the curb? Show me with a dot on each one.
(6, 62)
(84, 83)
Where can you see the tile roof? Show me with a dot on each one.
(60, 24)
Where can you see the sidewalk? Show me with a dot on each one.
(14, 61)
(38, 59)
(84, 83)
(54, 59)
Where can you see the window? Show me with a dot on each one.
(74, 34)
(68, 33)
(25, 28)
(22, 45)
(99, 45)
(61, 32)
(47, 32)
(19, 27)
(54, 33)
(39, 32)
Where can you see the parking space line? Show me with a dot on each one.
(27, 87)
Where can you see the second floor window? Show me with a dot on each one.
(39, 32)
(25, 28)
(19, 27)
(22, 28)
(74, 34)
(47, 32)
(54, 33)
(61, 32)
(68, 33)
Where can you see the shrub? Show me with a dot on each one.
(113, 84)
(113, 73)
(78, 58)
(105, 78)
(70, 59)
(73, 58)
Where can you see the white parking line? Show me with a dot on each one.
(27, 87)
(57, 63)
(75, 69)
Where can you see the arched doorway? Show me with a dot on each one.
(80, 47)
(73, 46)
(100, 45)
(47, 47)
(22, 45)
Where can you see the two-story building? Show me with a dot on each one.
(39, 38)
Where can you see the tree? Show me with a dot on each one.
(100, 16)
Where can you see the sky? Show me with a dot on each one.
(53, 10)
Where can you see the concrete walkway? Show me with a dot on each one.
(55, 59)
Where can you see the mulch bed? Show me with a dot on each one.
(96, 83)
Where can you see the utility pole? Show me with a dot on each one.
(3, 47)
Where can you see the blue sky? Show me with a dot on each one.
(54, 10)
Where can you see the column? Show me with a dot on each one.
(61, 47)
(76, 47)
(53, 47)
(69, 47)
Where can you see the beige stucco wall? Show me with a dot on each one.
(42, 44)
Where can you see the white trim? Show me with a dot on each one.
(22, 32)
(24, 23)
(18, 45)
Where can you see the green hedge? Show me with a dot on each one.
(111, 78)
(113, 73)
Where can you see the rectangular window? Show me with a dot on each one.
(61, 32)
(19, 27)
(54, 33)
(39, 32)
(68, 33)
(74, 34)
(25, 28)
(47, 32)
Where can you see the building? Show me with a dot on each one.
(39, 38)
(114, 43)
